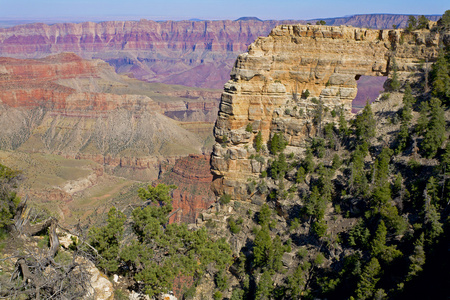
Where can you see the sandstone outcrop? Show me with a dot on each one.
(285, 78)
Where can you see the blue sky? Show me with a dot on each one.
(208, 9)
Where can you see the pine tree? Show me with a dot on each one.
(107, 239)
(435, 133)
(408, 101)
(379, 242)
(422, 22)
(422, 122)
(444, 22)
(343, 126)
(365, 124)
(441, 77)
(263, 249)
(368, 280)
(277, 143)
(258, 142)
(9, 200)
(411, 24)
(296, 283)
(417, 259)
(395, 83)
(265, 287)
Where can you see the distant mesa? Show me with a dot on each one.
(249, 19)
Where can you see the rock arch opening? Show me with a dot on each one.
(369, 88)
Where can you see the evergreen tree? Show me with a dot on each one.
(277, 143)
(258, 142)
(296, 282)
(435, 132)
(264, 215)
(9, 200)
(365, 124)
(417, 259)
(405, 117)
(358, 180)
(422, 122)
(160, 252)
(408, 101)
(300, 175)
(343, 126)
(395, 83)
(411, 24)
(279, 167)
(441, 77)
(263, 249)
(444, 22)
(107, 239)
(265, 287)
(422, 22)
(379, 242)
(316, 204)
(308, 162)
(368, 280)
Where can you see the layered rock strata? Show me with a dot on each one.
(185, 52)
(192, 53)
(45, 106)
(287, 78)
(192, 176)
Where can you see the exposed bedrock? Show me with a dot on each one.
(192, 176)
(280, 82)
(192, 53)
(56, 105)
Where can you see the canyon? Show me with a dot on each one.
(89, 138)
(82, 109)
(190, 53)
(88, 127)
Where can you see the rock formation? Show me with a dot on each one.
(192, 53)
(285, 79)
(192, 176)
(186, 52)
(55, 105)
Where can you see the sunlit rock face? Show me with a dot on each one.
(283, 79)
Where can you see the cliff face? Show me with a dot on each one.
(55, 105)
(284, 79)
(191, 53)
(185, 52)
(192, 176)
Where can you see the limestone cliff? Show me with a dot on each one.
(285, 78)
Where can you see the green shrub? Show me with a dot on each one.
(217, 295)
(225, 199)
(305, 94)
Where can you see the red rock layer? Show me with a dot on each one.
(30, 83)
(184, 52)
(193, 178)
(39, 38)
